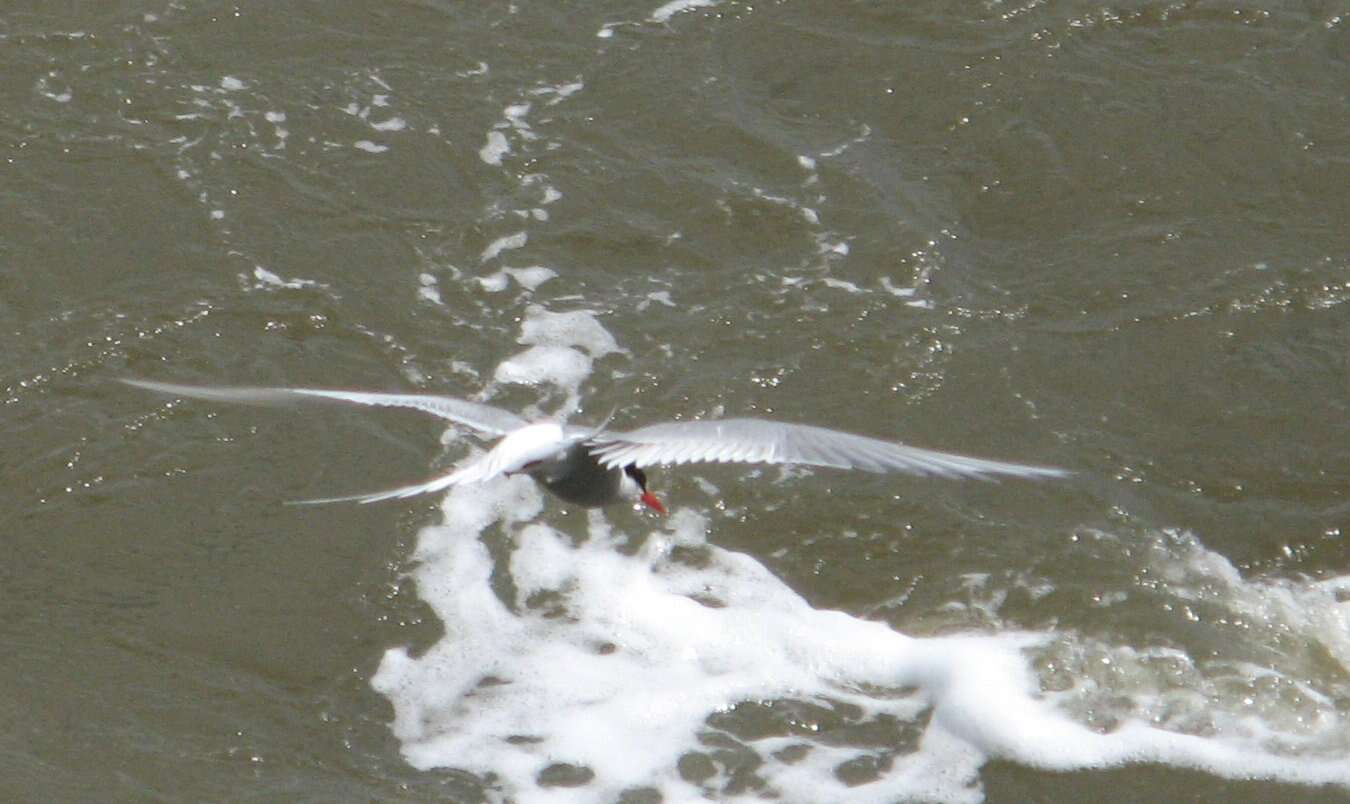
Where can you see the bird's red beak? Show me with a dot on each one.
(651, 502)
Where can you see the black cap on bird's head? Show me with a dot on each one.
(640, 478)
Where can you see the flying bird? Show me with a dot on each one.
(596, 466)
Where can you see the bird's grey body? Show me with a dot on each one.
(577, 477)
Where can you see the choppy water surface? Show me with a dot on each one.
(1111, 240)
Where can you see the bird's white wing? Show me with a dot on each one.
(402, 492)
(759, 441)
(478, 416)
(523, 447)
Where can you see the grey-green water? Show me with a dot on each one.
(1109, 239)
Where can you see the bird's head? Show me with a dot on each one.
(640, 478)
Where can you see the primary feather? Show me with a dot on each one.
(484, 418)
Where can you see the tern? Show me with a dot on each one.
(595, 466)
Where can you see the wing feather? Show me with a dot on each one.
(476, 415)
(402, 492)
(760, 441)
(507, 456)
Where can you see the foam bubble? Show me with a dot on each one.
(563, 347)
(494, 148)
(559, 365)
(842, 284)
(665, 12)
(532, 277)
(427, 290)
(507, 243)
(578, 328)
(266, 279)
(392, 124)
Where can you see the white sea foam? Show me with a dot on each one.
(562, 348)
(560, 92)
(494, 148)
(664, 12)
(265, 279)
(575, 329)
(427, 290)
(579, 664)
(64, 95)
(656, 297)
(507, 243)
(528, 278)
(532, 277)
(495, 282)
(842, 284)
(392, 124)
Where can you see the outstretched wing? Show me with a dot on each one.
(524, 447)
(402, 492)
(759, 441)
(476, 415)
